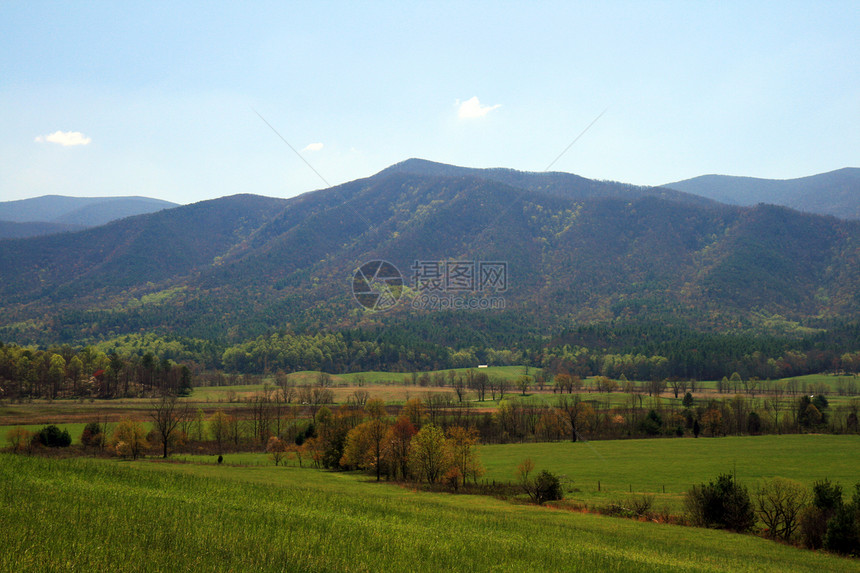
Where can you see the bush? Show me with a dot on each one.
(20, 440)
(52, 437)
(725, 505)
(813, 525)
(547, 487)
(842, 534)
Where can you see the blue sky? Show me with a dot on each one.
(161, 99)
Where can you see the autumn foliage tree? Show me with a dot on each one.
(277, 449)
(129, 439)
(397, 442)
(427, 453)
(462, 452)
(364, 446)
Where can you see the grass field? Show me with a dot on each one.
(646, 466)
(103, 515)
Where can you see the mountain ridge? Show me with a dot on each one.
(245, 265)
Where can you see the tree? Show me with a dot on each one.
(167, 413)
(414, 411)
(830, 522)
(651, 424)
(712, 419)
(462, 452)
(427, 453)
(129, 439)
(688, 400)
(364, 446)
(396, 450)
(753, 423)
(219, 429)
(277, 449)
(523, 383)
(779, 504)
(574, 409)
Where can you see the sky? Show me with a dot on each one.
(187, 101)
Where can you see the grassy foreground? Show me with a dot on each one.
(84, 515)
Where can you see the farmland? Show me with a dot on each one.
(253, 515)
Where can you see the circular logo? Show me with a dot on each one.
(377, 285)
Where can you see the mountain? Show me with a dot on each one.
(574, 251)
(75, 212)
(12, 230)
(552, 183)
(835, 193)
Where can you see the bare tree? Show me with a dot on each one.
(573, 408)
(779, 503)
(167, 413)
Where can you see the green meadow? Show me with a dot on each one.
(674, 465)
(103, 515)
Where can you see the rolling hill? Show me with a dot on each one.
(835, 193)
(575, 251)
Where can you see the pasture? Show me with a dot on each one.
(650, 465)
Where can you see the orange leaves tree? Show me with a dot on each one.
(397, 443)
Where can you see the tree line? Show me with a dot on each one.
(635, 351)
(66, 372)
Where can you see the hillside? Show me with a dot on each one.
(575, 251)
(835, 193)
(75, 212)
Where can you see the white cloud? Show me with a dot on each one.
(313, 147)
(472, 108)
(65, 138)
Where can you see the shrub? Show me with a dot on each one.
(20, 440)
(813, 525)
(725, 505)
(52, 437)
(547, 487)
